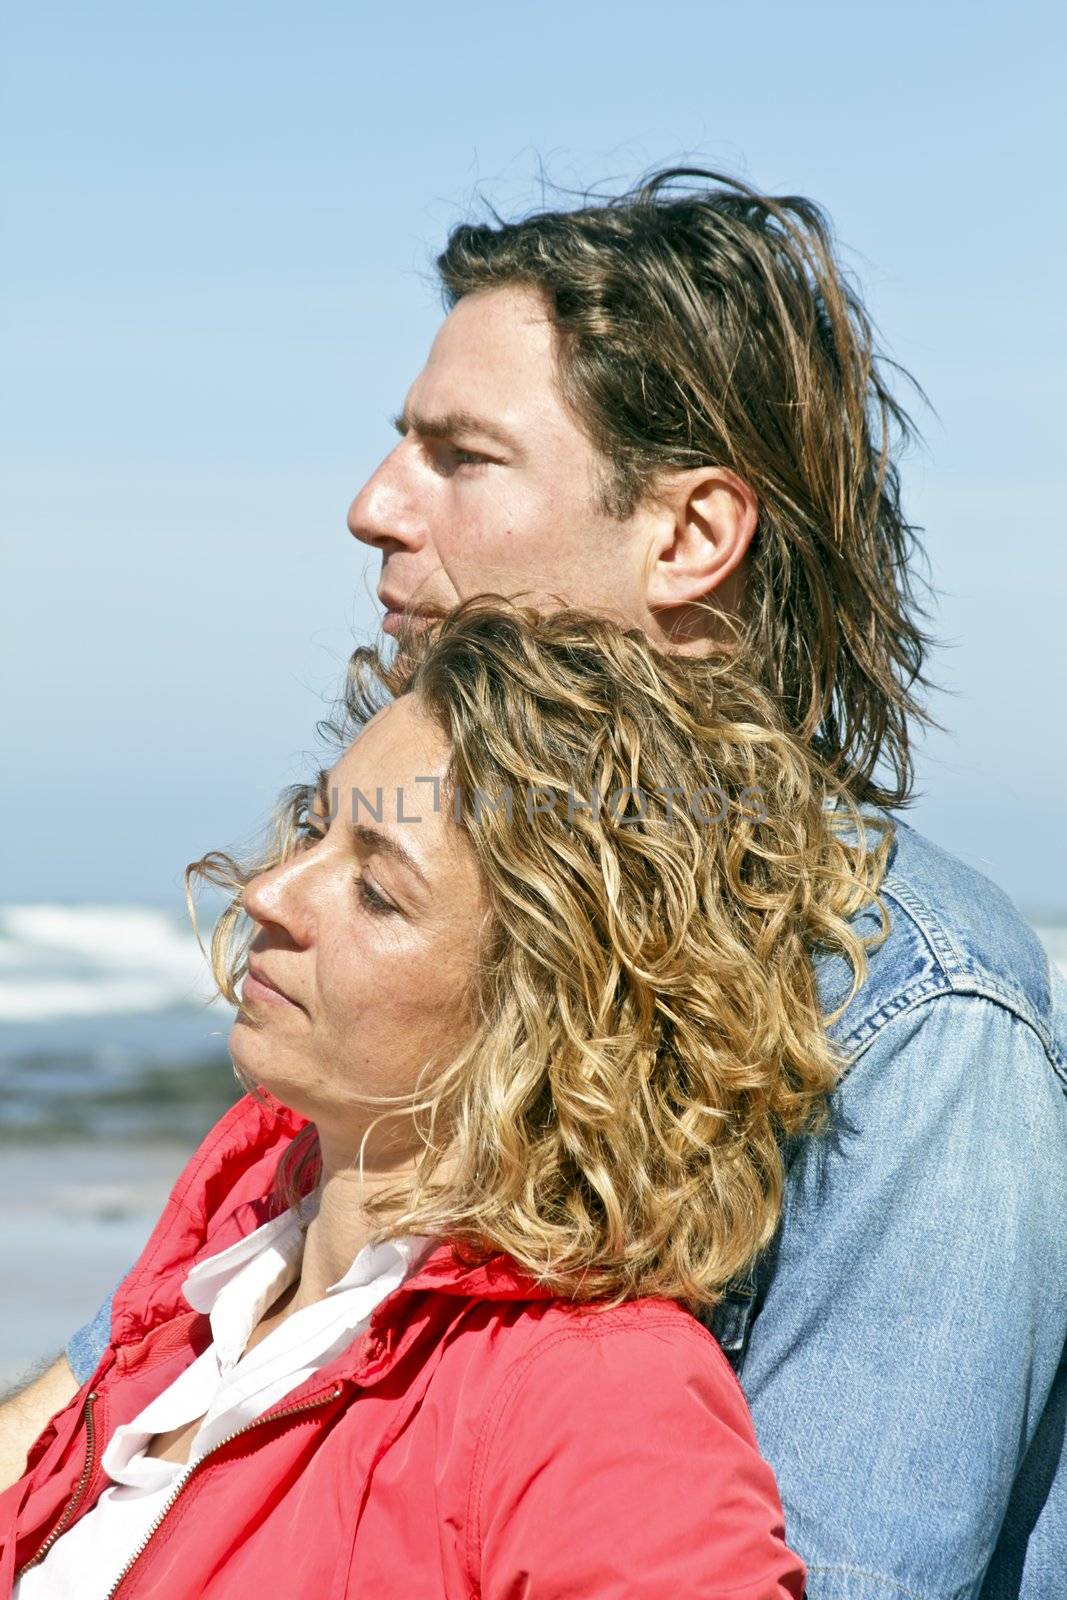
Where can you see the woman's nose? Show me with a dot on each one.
(384, 514)
(277, 898)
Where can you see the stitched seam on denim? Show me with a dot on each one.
(926, 920)
(1054, 1047)
(961, 969)
(928, 990)
(515, 1379)
(854, 1040)
(1013, 1000)
(890, 1583)
(857, 1042)
(1023, 1012)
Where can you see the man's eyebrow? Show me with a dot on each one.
(451, 425)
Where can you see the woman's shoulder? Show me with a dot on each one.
(571, 1359)
(508, 1319)
(527, 1374)
(637, 1406)
(632, 1335)
(634, 1325)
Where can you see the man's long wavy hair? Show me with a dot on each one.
(699, 322)
(646, 1028)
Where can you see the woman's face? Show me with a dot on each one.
(367, 939)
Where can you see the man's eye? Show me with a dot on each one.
(309, 830)
(450, 456)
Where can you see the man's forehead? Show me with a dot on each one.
(508, 313)
(489, 350)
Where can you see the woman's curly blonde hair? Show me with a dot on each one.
(647, 1023)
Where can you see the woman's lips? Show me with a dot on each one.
(259, 990)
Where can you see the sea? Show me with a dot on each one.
(108, 1029)
(113, 1065)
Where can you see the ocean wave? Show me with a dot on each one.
(59, 961)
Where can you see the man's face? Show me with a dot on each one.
(493, 485)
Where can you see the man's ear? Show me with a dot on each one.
(707, 522)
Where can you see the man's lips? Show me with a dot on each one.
(258, 987)
(396, 608)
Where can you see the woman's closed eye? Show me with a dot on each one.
(375, 903)
(310, 831)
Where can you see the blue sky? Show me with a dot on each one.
(216, 276)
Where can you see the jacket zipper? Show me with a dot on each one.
(270, 1416)
(79, 1491)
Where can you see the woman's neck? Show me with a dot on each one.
(340, 1226)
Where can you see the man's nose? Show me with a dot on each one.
(383, 513)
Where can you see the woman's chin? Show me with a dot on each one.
(243, 1040)
(268, 1069)
(253, 1057)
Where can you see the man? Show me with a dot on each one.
(669, 406)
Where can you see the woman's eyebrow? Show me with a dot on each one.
(371, 838)
(377, 839)
(321, 787)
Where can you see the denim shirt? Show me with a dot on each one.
(902, 1343)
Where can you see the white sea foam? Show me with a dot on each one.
(61, 961)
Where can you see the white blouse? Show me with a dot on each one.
(224, 1386)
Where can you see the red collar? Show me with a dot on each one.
(224, 1193)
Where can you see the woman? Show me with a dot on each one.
(527, 1011)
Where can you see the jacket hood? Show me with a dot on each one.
(224, 1193)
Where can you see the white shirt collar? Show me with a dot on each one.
(228, 1385)
(205, 1282)
(280, 1244)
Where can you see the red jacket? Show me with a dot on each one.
(481, 1441)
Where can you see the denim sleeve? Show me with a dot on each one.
(89, 1343)
(907, 1348)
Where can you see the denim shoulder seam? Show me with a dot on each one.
(934, 988)
(963, 972)
(931, 927)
